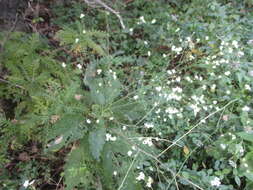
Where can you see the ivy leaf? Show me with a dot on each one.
(96, 142)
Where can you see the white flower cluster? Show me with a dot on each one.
(141, 176)
(148, 125)
(28, 183)
(215, 182)
(109, 137)
(176, 49)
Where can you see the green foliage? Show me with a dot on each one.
(80, 39)
(164, 104)
(96, 142)
(77, 168)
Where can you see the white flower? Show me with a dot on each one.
(111, 118)
(97, 121)
(141, 176)
(142, 19)
(149, 125)
(153, 21)
(136, 97)
(129, 153)
(148, 141)
(131, 29)
(247, 87)
(84, 31)
(115, 173)
(223, 146)
(215, 182)
(124, 127)
(149, 53)
(79, 66)
(240, 53)
(177, 30)
(100, 84)
(145, 42)
(227, 73)
(235, 44)
(149, 183)
(159, 88)
(27, 183)
(88, 121)
(245, 108)
(82, 15)
(99, 71)
(207, 37)
(108, 136)
(213, 87)
(77, 40)
(113, 138)
(63, 64)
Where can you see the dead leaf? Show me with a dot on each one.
(186, 150)
(23, 156)
(54, 118)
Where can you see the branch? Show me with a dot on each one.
(99, 2)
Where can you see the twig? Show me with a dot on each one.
(99, 2)
(5, 81)
(180, 138)
(130, 167)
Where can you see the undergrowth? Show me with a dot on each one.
(164, 104)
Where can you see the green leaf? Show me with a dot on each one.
(127, 110)
(96, 142)
(76, 169)
(246, 136)
(68, 129)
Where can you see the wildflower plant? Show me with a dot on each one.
(163, 104)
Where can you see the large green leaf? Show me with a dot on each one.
(68, 129)
(96, 142)
(127, 110)
(246, 136)
(76, 169)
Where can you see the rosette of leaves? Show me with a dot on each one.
(94, 160)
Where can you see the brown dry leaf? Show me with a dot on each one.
(186, 150)
(58, 140)
(34, 149)
(54, 118)
(23, 156)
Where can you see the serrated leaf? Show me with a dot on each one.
(96, 142)
(76, 169)
(68, 129)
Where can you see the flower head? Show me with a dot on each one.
(215, 182)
